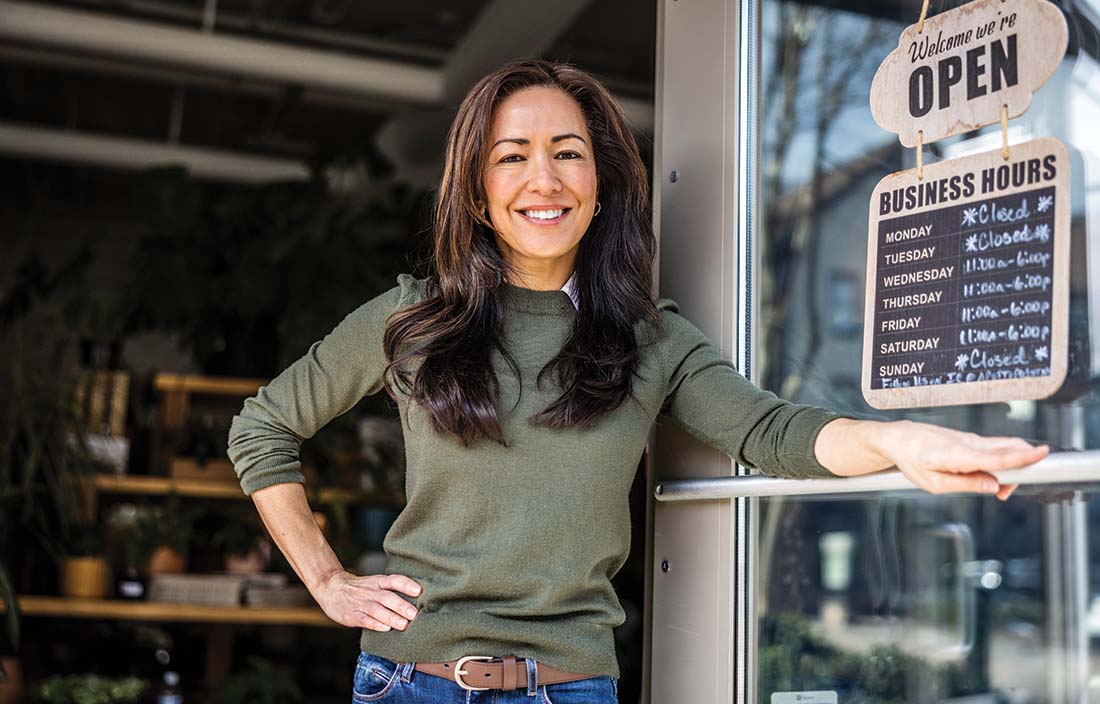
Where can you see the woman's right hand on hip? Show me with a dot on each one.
(370, 601)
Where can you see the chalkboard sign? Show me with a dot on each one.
(968, 280)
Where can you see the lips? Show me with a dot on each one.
(544, 216)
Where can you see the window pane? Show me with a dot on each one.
(915, 598)
(912, 598)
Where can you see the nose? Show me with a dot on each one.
(543, 177)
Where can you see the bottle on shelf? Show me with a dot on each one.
(130, 584)
(170, 692)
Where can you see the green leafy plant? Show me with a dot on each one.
(169, 524)
(262, 683)
(43, 450)
(85, 540)
(89, 689)
(238, 533)
(250, 259)
(793, 657)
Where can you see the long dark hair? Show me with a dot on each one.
(453, 332)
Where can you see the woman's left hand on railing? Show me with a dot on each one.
(938, 460)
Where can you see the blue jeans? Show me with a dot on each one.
(380, 680)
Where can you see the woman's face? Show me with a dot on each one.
(540, 181)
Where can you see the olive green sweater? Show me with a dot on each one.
(515, 546)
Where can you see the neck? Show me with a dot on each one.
(547, 282)
(538, 274)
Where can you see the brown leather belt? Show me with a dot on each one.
(477, 672)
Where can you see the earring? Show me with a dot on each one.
(597, 209)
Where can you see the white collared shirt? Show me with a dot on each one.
(571, 288)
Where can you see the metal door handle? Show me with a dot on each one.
(962, 538)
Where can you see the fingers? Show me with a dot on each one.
(369, 622)
(378, 612)
(1014, 457)
(383, 609)
(993, 459)
(974, 482)
(401, 583)
(396, 604)
(1001, 441)
(1006, 491)
(946, 483)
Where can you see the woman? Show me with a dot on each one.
(528, 370)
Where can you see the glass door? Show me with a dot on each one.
(904, 596)
(913, 598)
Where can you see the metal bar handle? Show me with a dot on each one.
(1056, 468)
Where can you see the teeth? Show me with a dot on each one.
(543, 214)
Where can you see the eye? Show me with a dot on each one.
(568, 155)
(509, 159)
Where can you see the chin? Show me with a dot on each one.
(545, 247)
(543, 254)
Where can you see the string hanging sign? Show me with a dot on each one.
(968, 258)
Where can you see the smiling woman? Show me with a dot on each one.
(526, 410)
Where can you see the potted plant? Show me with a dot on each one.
(85, 572)
(165, 536)
(244, 544)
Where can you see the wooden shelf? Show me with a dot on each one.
(199, 488)
(65, 607)
(214, 385)
(113, 484)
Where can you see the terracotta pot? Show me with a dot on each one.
(11, 689)
(85, 577)
(166, 560)
(253, 562)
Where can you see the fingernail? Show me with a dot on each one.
(385, 628)
(411, 613)
(402, 623)
(992, 487)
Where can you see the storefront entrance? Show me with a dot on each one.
(777, 591)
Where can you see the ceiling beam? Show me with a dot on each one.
(100, 66)
(250, 58)
(135, 154)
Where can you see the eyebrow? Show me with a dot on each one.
(521, 140)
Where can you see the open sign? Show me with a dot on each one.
(984, 72)
(964, 65)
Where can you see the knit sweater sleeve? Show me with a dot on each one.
(334, 374)
(710, 399)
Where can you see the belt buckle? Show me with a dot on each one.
(459, 672)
